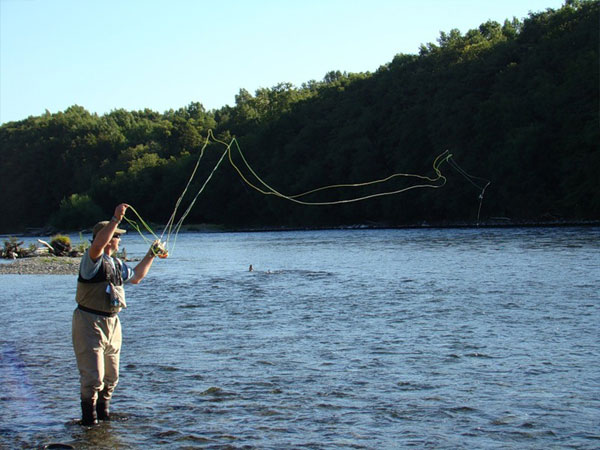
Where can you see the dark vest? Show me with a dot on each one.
(93, 293)
(106, 272)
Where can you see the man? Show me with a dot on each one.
(96, 326)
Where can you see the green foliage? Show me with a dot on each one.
(61, 244)
(83, 244)
(65, 240)
(516, 103)
(76, 212)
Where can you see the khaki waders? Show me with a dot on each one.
(97, 345)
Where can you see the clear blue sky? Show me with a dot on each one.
(136, 54)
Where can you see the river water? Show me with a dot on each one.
(377, 339)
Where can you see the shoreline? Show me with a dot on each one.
(212, 228)
(422, 226)
(41, 265)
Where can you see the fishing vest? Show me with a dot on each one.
(94, 293)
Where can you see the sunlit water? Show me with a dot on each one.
(485, 338)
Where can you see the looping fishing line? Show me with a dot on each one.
(294, 198)
(472, 179)
(170, 224)
(172, 228)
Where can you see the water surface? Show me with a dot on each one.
(483, 338)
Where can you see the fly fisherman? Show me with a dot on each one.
(96, 326)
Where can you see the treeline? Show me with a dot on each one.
(515, 103)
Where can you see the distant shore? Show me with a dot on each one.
(497, 222)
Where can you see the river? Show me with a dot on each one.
(375, 339)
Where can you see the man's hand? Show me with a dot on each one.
(120, 211)
(158, 249)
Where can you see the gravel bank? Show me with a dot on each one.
(41, 265)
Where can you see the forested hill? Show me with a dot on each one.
(514, 103)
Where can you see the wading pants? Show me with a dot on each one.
(97, 345)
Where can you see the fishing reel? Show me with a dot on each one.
(158, 248)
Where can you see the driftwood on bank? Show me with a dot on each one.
(50, 248)
(13, 250)
(59, 248)
(55, 258)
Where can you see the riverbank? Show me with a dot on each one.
(41, 265)
(496, 222)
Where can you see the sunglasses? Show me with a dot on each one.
(116, 236)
